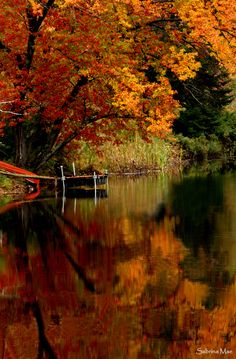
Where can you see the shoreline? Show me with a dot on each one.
(17, 188)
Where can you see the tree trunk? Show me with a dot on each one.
(20, 146)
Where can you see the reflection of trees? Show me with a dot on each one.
(205, 299)
(24, 229)
(60, 270)
(196, 200)
(80, 294)
(198, 205)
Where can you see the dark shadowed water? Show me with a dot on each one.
(147, 271)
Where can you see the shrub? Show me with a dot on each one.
(5, 183)
(200, 148)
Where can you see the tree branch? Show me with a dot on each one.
(74, 134)
(11, 112)
(56, 149)
(34, 23)
(192, 94)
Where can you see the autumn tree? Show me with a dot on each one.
(75, 69)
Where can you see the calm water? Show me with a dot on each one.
(146, 272)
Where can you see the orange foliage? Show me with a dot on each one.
(212, 22)
(72, 63)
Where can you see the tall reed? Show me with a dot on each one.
(133, 156)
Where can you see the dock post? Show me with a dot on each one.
(63, 181)
(55, 184)
(75, 205)
(106, 173)
(95, 186)
(63, 205)
(73, 166)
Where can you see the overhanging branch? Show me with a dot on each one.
(56, 149)
(74, 134)
(34, 23)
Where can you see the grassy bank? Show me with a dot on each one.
(157, 155)
(5, 182)
(10, 186)
(131, 157)
(138, 156)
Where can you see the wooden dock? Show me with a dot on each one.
(64, 184)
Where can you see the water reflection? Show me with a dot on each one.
(205, 206)
(148, 272)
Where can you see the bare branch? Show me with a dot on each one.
(4, 102)
(7, 111)
(191, 92)
(11, 112)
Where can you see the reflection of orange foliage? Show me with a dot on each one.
(17, 341)
(193, 293)
(11, 279)
(163, 239)
(130, 231)
(133, 278)
(157, 270)
(202, 328)
(143, 306)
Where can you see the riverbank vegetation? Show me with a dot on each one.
(11, 186)
(133, 156)
(141, 157)
(5, 183)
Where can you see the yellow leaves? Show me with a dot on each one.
(84, 72)
(127, 13)
(129, 88)
(131, 80)
(68, 2)
(122, 13)
(163, 109)
(182, 63)
(50, 29)
(212, 23)
(154, 102)
(151, 101)
(37, 9)
(128, 102)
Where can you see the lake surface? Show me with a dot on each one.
(147, 271)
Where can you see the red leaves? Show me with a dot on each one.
(111, 44)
